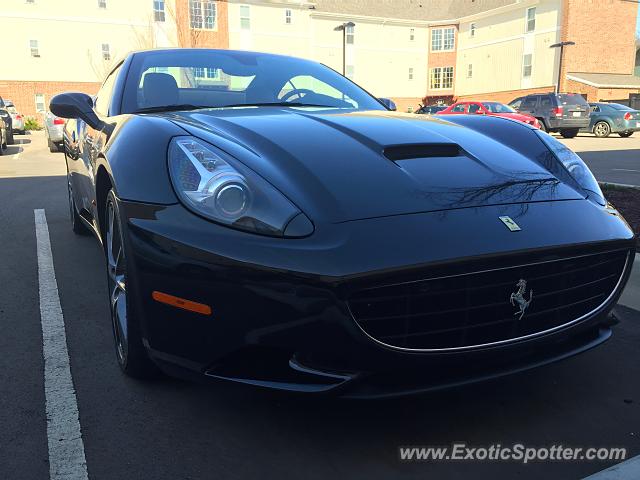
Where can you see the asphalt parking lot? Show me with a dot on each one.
(614, 159)
(177, 430)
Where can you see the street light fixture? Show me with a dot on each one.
(344, 28)
(561, 46)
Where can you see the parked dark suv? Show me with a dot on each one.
(566, 113)
(6, 117)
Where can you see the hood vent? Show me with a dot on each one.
(427, 150)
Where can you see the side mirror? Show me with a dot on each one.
(387, 102)
(76, 105)
(480, 112)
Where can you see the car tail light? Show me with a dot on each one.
(18, 117)
(557, 111)
(628, 116)
(58, 121)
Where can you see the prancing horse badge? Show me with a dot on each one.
(511, 225)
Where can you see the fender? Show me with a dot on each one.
(135, 157)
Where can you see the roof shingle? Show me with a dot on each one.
(422, 10)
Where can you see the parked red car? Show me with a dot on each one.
(495, 109)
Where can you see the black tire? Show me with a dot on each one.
(77, 225)
(543, 127)
(602, 129)
(625, 134)
(569, 132)
(131, 355)
(52, 146)
(10, 140)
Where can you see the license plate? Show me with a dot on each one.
(577, 114)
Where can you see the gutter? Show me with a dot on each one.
(598, 85)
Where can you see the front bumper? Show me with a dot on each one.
(280, 317)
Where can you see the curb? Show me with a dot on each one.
(619, 185)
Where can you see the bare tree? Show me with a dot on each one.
(145, 36)
(186, 37)
(99, 65)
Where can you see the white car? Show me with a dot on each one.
(54, 127)
(17, 119)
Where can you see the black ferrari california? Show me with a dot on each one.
(267, 221)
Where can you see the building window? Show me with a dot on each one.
(526, 65)
(106, 52)
(33, 45)
(40, 105)
(472, 30)
(245, 17)
(447, 77)
(351, 34)
(102, 3)
(443, 39)
(449, 39)
(441, 78)
(350, 71)
(531, 19)
(410, 73)
(158, 10)
(412, 34)
(436, 39)
(287, 16)
(470, 70)
(209, 73)
(203, 14)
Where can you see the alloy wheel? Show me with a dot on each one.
(602, 129)
(116, 269)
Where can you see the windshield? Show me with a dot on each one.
(495, 107)
(211, 78)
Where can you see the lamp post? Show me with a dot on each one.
(561, 46)
(344, 28)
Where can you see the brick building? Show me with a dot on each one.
(409, 50)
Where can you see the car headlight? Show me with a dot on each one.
(226, 191)
(574, 165)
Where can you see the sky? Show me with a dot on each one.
(638, 23)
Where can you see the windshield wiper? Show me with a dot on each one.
(171, 108)
(278, 104)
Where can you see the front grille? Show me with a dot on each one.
(475, 309)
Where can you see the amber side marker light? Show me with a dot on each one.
(181, 303)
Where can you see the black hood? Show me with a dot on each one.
(347, 166)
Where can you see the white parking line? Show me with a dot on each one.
(624, 170)
(66, 449)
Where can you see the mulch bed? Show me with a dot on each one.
(627, 201)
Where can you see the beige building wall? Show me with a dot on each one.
(268, 30)
(496, 51)
(70, 34)
(384, 59)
